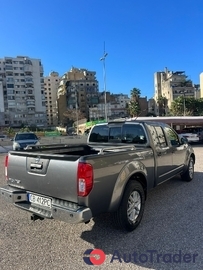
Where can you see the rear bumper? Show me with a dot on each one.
(20, 199)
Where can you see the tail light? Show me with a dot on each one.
(84, 179)
(6, 167)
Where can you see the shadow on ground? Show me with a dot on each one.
(171, 224)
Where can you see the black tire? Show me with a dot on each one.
(188, 175)
(121, 218)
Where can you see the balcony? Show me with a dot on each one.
(31, 111)
(28, 68)
(28, 73)
(29, 85)
(31, 105)
(28, 76)
(8, 68)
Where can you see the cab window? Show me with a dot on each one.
(173, 137)
(133, 134)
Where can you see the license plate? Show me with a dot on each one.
(39, 200)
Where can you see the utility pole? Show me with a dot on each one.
(103, 58)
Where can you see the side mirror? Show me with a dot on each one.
(12, 140)
(184, 140)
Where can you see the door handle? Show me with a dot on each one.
(36, 166)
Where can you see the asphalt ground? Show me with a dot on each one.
(6, 144)
(170, 235)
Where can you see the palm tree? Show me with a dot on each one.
(134, 106)
(135, 94)
(162, 103)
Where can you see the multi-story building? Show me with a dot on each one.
(201, 85)
(115, 106)
(51, 84)
(98, 111)
(22, 99)
(143, 103)
(170, 85)
(151, 106)
(78, 88)
(118, 105)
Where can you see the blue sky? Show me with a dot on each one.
(141, 37)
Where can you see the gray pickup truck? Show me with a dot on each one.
(113, 172)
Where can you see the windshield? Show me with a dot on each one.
(25, 136)
(124, 134)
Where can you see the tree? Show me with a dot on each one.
(191, 106)
(162, 103)
(73, 115)
(134, 106)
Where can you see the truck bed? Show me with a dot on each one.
(51, 170)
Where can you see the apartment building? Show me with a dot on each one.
(22, 99)
(170, 84)
(51, 84)
(78, 88)
(115, 106)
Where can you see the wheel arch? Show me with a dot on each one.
(193, 156)
(139, 176)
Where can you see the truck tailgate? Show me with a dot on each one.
(50, 176)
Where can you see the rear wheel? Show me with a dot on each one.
(130, 212)
(189, 174)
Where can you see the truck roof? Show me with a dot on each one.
(129, 121)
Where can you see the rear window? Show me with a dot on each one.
(127, 133)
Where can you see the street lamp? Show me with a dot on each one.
(104, 77)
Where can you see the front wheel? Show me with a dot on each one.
(189, 174)
(131, 209)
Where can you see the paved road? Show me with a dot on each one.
(6, 144)
(172, 223)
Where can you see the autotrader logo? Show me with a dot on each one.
(96, 256)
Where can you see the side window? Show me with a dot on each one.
(173, 137)
(154, 135)
(99, 134)
(133, 134)
(115, 133)
(161, 136)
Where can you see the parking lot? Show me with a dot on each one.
(171, 227)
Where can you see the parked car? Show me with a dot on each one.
(3, 137)
(113, 173)
(193, 134)
(23, 139)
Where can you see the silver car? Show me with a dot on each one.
(23, 139)
(193, 134)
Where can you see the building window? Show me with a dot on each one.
(10, 85)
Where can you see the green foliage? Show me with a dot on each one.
(9, 131)
(134, 106)
(193, 107)
(162, 103)
(25, 129)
